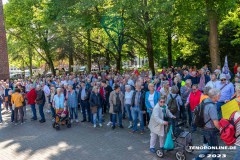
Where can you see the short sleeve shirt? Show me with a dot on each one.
(210, 112)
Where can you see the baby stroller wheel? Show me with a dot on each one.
(69, 125)
(160, 153)
(180, 155)
(57, 127)
(188, 149)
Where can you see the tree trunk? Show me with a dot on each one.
(30, 61)
(119, 62)
(50, 61)
(4, 72)
(107, 58)
(150, 50)
(89, 54)
(51, 66)
(148, 33)
(70, 60)
(169, 40)
(213, 34)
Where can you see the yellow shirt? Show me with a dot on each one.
(203, 96)
(17, 99)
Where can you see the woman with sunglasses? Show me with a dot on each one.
(158, 121)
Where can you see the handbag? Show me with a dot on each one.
(94, 109)
(169, 144)
(116, 108)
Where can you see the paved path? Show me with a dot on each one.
(35, 141)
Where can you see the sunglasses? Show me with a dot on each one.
(162, 101)
(223, 79)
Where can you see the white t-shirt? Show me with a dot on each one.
(151, 99)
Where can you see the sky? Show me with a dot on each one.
(5, 1)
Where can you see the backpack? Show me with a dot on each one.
(198, 115)
(172, 104)
(228, 130)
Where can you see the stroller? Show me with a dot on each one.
(182, 140)
(62, 118)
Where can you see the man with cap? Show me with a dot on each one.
(227, 91)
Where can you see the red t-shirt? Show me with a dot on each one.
(235, 69)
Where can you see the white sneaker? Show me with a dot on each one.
(100, 125)
(94, 125)
(76, 120)
(130, 125)
(109, 124)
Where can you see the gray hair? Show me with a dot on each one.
(94, 88)
(59, 89)
(31, 85)
(165, 83)
(174, 89)
(38, 86)
(214, 92)
(206, 90)
(203, 70)
(70, 86)
(128, 86)
(189, 81)
(138, 84)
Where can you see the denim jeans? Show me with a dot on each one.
(53, 111)
(0, 111)
(85, 106)
(127, 108)
(99, 115)
(114, 118)
(212, 140)
(74, 111)
(237, 155)
(40, 106)
(137, 114)
(190, 117)
(20, 110)
(34, 111)
(12, 115)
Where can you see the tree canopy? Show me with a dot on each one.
(109, 32)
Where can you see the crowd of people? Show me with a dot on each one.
(145, 100)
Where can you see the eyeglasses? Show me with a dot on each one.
(223, 80)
